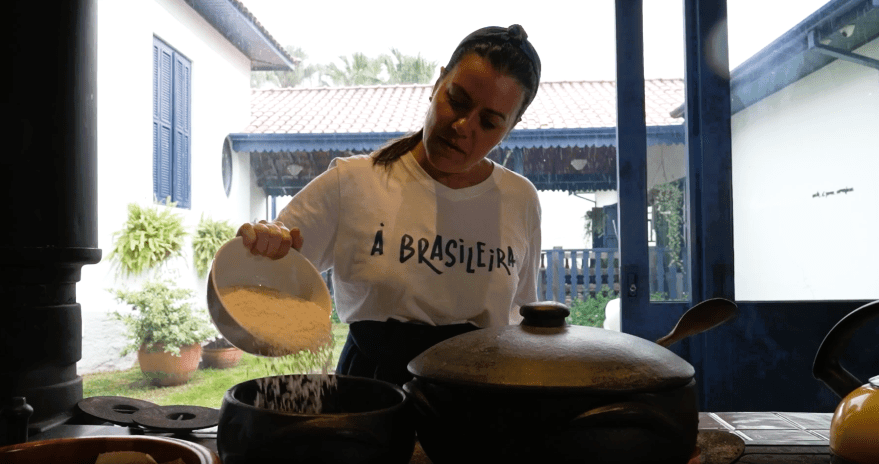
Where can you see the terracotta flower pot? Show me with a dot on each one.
(164, 369)
(221, 358)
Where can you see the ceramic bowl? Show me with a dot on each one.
(85, 450)
(363, 421)
(234, 265)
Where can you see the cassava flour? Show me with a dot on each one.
(285, 323)
(291, 326)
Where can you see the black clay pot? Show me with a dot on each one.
(363, 421)
(544, 391)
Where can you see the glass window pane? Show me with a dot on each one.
(804, 151)
(667, 199)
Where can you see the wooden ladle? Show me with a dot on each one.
(701, 317)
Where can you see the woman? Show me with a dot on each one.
(427, 238)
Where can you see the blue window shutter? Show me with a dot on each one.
(182, 130)
(162, 122)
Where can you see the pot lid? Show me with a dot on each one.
(544, 352)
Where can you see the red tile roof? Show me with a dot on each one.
(401, 108)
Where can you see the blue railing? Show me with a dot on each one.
(570, 274)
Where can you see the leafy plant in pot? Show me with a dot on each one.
(209, 236)
(151, 234)
(165, 330)
(219, 353)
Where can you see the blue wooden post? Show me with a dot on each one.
(598, 254)
(574, 292)
(548, 271)
(685, 260)
(560, 273)
(519, 160)
(671, 277)
(611, 267)
(584, 271)
(660, 269)
(552, 274)
(541, 276)
(636, 318)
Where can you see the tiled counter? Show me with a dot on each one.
(770, 437)
(771, 428)
(775, 437)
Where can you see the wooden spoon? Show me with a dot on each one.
(704, 316)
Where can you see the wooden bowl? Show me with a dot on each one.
(85, 450)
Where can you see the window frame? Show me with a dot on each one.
(762, 360)
(172, 126)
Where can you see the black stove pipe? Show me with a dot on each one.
(50, 230)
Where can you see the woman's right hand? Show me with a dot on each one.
(271, 239)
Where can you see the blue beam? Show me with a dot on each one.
(708, 110)
(789, 58)
(526, 138)
(631, 168)
(841, 54)
(256, 43)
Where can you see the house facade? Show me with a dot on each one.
(806, 200)
(780, 157)
(173, 81)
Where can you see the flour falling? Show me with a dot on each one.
(298, 329)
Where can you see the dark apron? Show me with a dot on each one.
(382, 350)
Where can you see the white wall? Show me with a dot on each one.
(817, 135)
(562, 222)
(220, 105)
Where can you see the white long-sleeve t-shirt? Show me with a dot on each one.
(404, 246)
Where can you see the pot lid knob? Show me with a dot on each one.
(544, 314)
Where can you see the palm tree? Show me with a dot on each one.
(359, 70)
(286, 78)
(407, 69)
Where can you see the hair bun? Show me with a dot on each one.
(517, 32)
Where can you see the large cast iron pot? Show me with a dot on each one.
(363, 421)
(544, 391)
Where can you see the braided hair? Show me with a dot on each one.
(508, 50)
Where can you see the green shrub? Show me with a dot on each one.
(591, 312)
(162, 314)
(663, 296)
(151, 235)
(209, 236)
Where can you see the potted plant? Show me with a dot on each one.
(220, 354)
(165, 329)
(150, 235)
(209, 236)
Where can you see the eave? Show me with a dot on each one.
(241, 28)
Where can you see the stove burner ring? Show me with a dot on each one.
(116, 409)
(177, 418)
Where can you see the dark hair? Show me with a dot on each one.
(508, 50)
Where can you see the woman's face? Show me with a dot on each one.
(473, 107)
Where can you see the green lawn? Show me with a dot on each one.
(206, 388)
